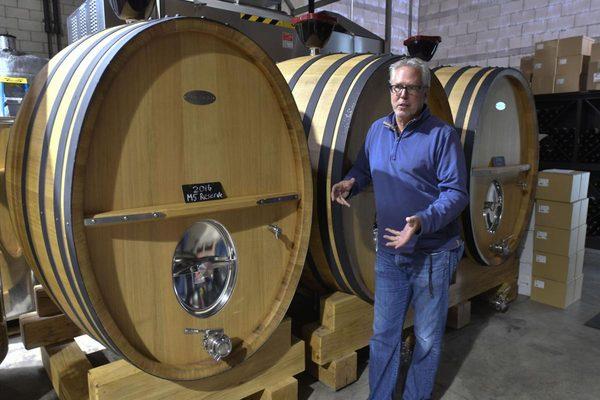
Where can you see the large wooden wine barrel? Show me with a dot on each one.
(3, 330)
(4, 217)
(15, 273)
(495, 111)
(8, 238)
(159, 181)
(340, 96)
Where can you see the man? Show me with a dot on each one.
(416, 164)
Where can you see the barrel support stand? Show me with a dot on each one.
(459, 315)
(493, 282)
(267, 375)
(345, 323)
(344, 326)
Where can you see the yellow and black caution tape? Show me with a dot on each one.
(13, 80)
(268, 21)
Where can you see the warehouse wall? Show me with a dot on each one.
(500, 32)
(370, 14)
(25, 20)
(482, 32)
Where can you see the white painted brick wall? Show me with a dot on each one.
(511, 27)
(25, 20)
(574, 7)
(511, 7)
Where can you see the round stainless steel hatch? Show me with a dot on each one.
(493, 206)
(204, 268)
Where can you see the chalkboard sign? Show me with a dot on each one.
(498, 161)
(203, 192)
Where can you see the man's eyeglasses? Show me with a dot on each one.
(411, 89)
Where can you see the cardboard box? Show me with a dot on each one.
(570, 83)
(548, 45)
(595, 56)
(584, 185)
(527, 252)
(531, 226)
(525, 270)
(572, 65)
(581, 235)
(561, 215)
(571, 73)
(542, 83)
(562, 242)
(527, 67)
(524, 288)
(593, 76)
(574, 46)
(580, 259)
(558, 268)
(544, 65)
(524, 281)
(562, 185)
(557, 294)
(566, 84)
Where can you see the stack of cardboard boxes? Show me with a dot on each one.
(526, 259)
(544, 67)
(593, 81)
(559, 237)
(561, 65)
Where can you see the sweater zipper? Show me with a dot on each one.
(395, 151)
(397, 140)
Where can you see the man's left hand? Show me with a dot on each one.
(398, 239)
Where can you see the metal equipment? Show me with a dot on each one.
(423, 47)
(261, 20)
(17, 70)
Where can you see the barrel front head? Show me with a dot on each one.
(494, 110)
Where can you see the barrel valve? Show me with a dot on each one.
(277, 231)
(500, 299)
(502, 247)
(216, 342)
(523, 185)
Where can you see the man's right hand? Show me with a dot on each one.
(341, 190)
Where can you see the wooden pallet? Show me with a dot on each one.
(345, 323)
(267, 375)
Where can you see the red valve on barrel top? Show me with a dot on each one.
(314, 29)
(422, 46)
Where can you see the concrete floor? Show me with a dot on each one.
(533, 351)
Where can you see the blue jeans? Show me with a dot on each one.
(423, 279)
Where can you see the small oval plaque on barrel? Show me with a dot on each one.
(199, 97)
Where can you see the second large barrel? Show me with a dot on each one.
(340, 95)
(493, 109)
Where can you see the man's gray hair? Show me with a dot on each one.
(413, 63)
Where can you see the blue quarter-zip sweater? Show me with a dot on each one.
(419, 171)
